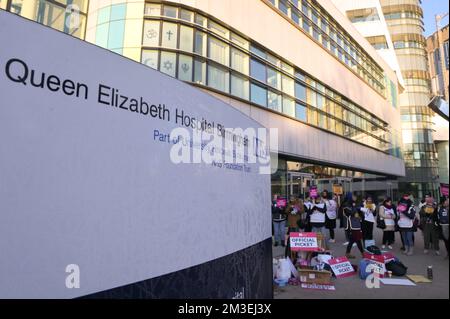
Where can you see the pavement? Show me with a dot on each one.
(355, 288)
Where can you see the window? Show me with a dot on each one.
(239, 61)
(170, 12)
(152, 9)
(186, 38)
(101, 35)
(218, 78)
(240, 41)
(168, 63)
(300, 112)
(288, 106)
(200, 43)
(150, 58)
(199, 72)
(218, 29)
(312, 116)
(218, 51)
(258, 94)
(274, 101)
(288, 85)
(186, 15)
(258, 51)
(311, 98)
(321, 102)
(169, 35)
(300, 91)
(283, 6)
(258, 70)
(274, 78)
(116, 34)
(316, 34)
(446, 55)
(239, 87)
(184, 67)
(200, 20)
(306, 25)
(295, 17)
(151, 34)
(322, 121)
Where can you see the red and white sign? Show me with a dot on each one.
(341, 267)
(379, 261)
(304, 242)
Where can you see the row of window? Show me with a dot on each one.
(264, 67)
(342, 122)
(319, 25)
(403, 15)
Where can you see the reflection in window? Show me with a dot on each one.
(199, 72)
(300, 112)
(218, 51)
(288, 106)
(258, 94)
(118, 11)
(274, 101)
(258, 70)
(170, 12)
(239, 61)
(169, 35)
(186, 38)
(151, 34)
(218, 78)
(116, 34)
(150, 58)
(240, 87)
(184, 67)
(300, 91)
(274, 78)
(288, 85)
(168, 63)
(312, 116)
(200, 43)
(186, 15)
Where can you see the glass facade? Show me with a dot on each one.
(68, 16)
(406, 28)
(320, 26)
(226, 62)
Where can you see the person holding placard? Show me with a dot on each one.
(353, 215)
(406, 216)
(317, 216)
(279, 222)
(368, 219)
(428, 223)
(308, 205)
(331, 215)
(388, 215)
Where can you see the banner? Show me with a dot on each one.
(304, 242)
(341, 267)
(444, 189)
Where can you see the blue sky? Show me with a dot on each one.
(430, 8)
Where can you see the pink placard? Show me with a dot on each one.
(281, 202)
(444, 190)
(313, 192)
(341, 267)
(303, 242)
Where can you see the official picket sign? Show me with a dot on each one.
(341, 267)
(304, 242)
(91, 203)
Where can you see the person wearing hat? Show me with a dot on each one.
(388, 214)
(428, 223)
(406, 216)
(353, 216)
(443, 220)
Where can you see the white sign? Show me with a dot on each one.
(303, 242)
(86, 176)
(341, 267)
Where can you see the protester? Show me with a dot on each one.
(343, 218)
(294, 211)
(443, 221)
(353, 215)
(428, 223)
(317, 216)
(308, 205)
(406, 214)
(368, 219)
(331, 214)
(279, 223)
(388, 215)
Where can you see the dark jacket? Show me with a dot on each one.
(442, 216)
(428, 214)
(319, 211)
(278, 214)
(353, 216)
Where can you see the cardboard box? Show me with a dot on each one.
(314, 276)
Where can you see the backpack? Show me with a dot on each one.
(380, 222)
(363, 273)
(397, 268)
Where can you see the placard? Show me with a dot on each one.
(304, 242)
(341, 267)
